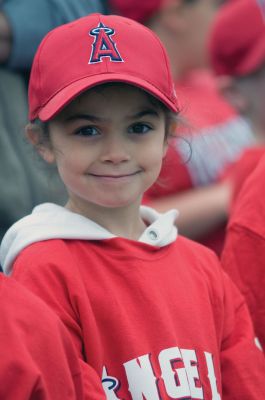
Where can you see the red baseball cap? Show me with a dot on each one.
(94, 50)
(237, 38)
(139, 10)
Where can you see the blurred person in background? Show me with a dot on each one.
(214, 135)
(239, 64)
(22, 26)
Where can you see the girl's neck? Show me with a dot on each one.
(123, 222)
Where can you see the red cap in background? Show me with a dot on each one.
(237, 38)
(139, 10)
(94, 50)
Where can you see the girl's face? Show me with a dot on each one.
(108, 145)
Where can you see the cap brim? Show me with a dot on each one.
(67, 94)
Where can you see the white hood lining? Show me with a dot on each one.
(50, 221)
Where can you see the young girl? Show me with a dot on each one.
(151, 314)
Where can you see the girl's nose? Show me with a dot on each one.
(115, 150)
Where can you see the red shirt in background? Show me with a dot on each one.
(240, 170)
(38, 360)
(244, 252)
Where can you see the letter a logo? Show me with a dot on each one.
(103, 45)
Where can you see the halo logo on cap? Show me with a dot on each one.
(103, 45)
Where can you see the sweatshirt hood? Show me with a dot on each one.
(51, 221)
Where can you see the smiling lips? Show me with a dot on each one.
(115, 177)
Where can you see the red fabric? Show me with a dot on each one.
(242, 52)
(215, 240)
(38, 361)
(244, 251)
(145, 318)
(140, 11)
(239, 171)
(100, 49)
(201, 103)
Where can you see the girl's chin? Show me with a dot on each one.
(103, 200)
(120, 202)
(115, 204)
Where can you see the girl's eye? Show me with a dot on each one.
(87, 131)
(139, 128)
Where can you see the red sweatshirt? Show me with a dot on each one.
(244, 252)
(239, 171)
(155, 318)
(38, 361)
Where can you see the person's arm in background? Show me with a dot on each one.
(201, 210)
(29, 20)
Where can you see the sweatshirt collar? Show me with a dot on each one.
(51, 221)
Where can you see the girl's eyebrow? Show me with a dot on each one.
(145, 112)
(88, 117)
(93, 118)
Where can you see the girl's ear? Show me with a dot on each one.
(34, 135)
(172, 129)
(165, 148)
